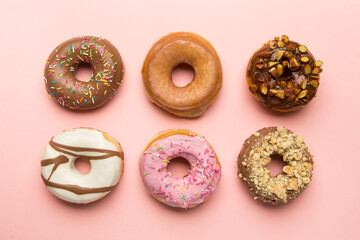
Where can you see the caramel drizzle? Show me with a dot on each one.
(63, 159)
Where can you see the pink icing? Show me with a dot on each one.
(187, 191)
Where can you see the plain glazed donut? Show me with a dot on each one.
(58, 165)
(283, 75)
(256, 154)
(171, 51)
(190, 190)
(103, 58)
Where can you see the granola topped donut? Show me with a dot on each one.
(283, 75)
(105, 62)
(257, 152)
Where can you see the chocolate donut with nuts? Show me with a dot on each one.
(256, 153)
(283, 75)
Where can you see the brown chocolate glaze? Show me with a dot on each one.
(77, 189)
(56, 161)
(104, 60)
(63, 159)
(283, 75)
(66, 149)
(247, 165)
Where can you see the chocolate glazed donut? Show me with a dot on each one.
(283, 75)
(104, 60)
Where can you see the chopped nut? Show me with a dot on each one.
(289, 55)
(256, 134)
(272, 43)
(272, 92)
(304, 59)
(314, 83)
(260, 60)
(267, 161)
(272, 85)
(303, 84)
(271, 64)
(308, 166)
(302, 49)
(298, 156)
(294, 65)
(306, 180)
(287, 169)
(289, 91)
(281, 44)
(317, 70)
(285, 63)
(273, 72)
(260, 66)
(318, 63)
(281, 129)
(276, 38)
(290, 84)
(283, 84)
(263, 89)
(307, 69)
(256, 156)
(302, 94)
(240, 175)
(285, 38)
(293, 184)
(280, 94)
(253, 88)
(279, 55)
(297, 91)
(264, 54)
(300, 139)
(315, 77)
(280, 69)
(291, 47)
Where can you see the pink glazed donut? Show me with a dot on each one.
(182, 192)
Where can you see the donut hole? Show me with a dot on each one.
(276, 165)
(182, 75)
(178, 167)
(83, 72)
(82, 164)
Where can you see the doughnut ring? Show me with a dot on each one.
(171, 51)
(181, 192)
(256, 154)
(283, 75)
(58, 170)
(103, 58)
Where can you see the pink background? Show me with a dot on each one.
(328, 209)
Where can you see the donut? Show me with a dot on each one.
(256, 153)
(105, 62)
(168, 53)
(58, 170)
(283, 75)
(180, 192)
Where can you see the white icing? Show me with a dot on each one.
(103, 173)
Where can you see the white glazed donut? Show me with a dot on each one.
(65, 181)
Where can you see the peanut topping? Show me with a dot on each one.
(289, 72)
(296, 174)
(302, 49)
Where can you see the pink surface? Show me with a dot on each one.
(328, 209)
